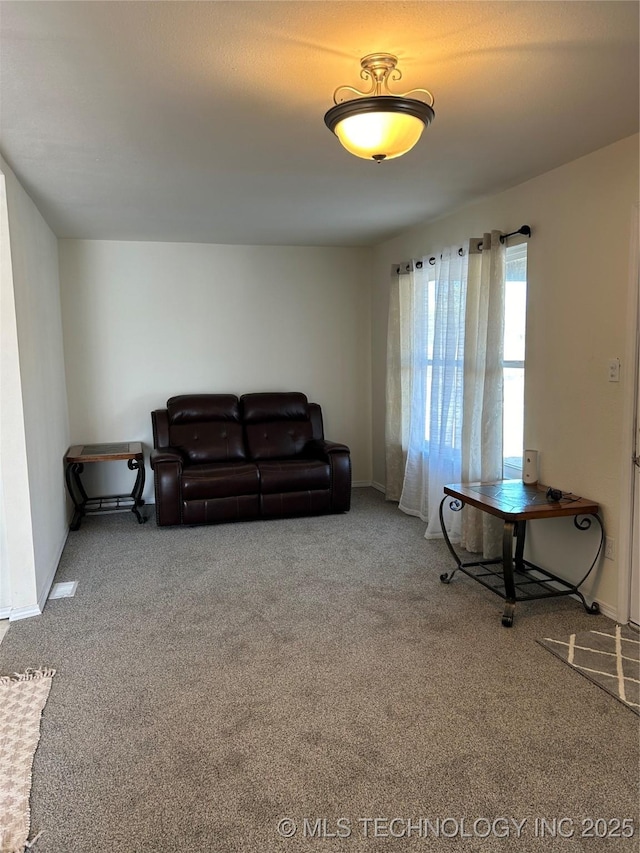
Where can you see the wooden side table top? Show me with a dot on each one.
(513, 500)
(81, 453)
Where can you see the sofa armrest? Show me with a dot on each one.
(167, 476)
(160, 424)
(166, 454)
(339, 458)
(320, 448)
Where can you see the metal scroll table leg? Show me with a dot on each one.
(510, 528)
(76, 492)
(583, 522)
(520, 533)
(136, 494)
(455, 506)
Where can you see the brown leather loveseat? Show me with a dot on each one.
(220, 458)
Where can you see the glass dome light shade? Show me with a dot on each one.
(372, 134)
(381, 127)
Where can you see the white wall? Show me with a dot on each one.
(35, 429)
(16, 533)
(578, 276)
(145, 321)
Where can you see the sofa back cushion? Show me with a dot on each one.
(206, 427)
(277, 425)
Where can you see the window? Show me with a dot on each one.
(515, 313)
(513, 358)
(448, 375)
(444, 312)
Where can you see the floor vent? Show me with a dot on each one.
(63, 590)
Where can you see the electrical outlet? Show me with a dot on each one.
(609, 548)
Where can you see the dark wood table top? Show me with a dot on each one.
(513, 500)
(104, 452)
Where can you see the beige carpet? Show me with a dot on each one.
(216, 681)
(22, 698)
(609, 658)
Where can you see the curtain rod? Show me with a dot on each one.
(525, 230)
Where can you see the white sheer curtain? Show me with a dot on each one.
(483, 385)
(433, 372)
(444, 385)
(397, 388)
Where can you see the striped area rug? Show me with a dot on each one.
(609, 658)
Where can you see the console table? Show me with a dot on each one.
(81, 454)
(511, 576)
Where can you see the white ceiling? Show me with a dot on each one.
(203, 121)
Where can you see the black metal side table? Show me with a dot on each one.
(511, 576)
(81, 454)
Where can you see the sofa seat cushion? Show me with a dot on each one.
(218, 510)
(222, 480)
(293, 475)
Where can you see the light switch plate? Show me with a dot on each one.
(614, 370)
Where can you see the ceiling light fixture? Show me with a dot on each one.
(378, 125)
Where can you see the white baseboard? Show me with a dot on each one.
(605, 609)
(46, 587)
(24, 612)
(608, 611)
(13, 614)
(367, 484)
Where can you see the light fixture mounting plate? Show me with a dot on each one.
(378, 65)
